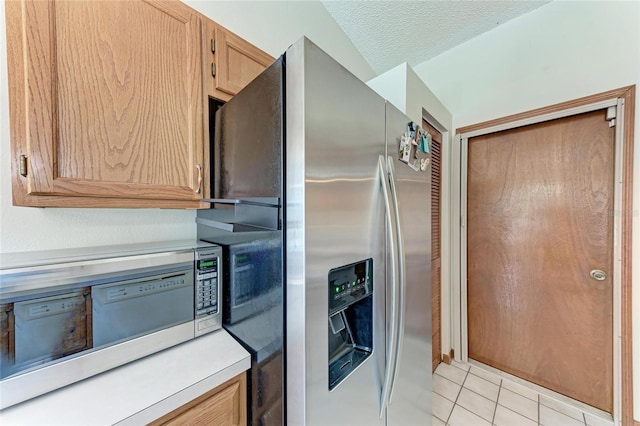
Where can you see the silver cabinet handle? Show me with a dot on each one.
(598, 275)
(199, 189)
(402, 276)
(390, 353)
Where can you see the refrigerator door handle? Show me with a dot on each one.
(401, 299)
(390, 346)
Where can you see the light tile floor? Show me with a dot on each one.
(466, 395)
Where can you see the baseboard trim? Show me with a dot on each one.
(447, 358)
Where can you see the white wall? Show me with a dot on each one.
(559, 52)
(29, 228)
(392, 85)
(272, 26)
(420, 99)
(403, 87)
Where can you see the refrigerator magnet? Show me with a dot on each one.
(405, 149)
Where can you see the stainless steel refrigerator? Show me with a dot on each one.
(311, 152)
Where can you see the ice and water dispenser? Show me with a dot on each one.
(350, 318)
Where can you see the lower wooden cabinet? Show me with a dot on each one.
(225, 405)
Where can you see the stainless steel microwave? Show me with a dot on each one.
(67, 315)
(252, 277)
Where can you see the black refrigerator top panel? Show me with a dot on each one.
(247, 154)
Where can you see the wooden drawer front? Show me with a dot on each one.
(223, 406)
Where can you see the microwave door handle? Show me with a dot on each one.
(401, 299)
(389, 344)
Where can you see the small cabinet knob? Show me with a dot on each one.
(598, 275)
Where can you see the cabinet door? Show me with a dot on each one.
(223, 406)
(236, 62)
(106, 100)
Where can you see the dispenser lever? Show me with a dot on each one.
(337, 322)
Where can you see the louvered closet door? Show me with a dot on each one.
(436, 162)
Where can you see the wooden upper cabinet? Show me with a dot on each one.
(106, 103)
(232, 61)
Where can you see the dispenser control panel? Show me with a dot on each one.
(350, 330)
(350, 283)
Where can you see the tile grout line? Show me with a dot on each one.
(560, 412)
(459, 392)
(469, 372)
(513, 410)
(540, 404)
(549, 408)
(449, 380)
(485, 397)
(560, 402)
(538, 396)
(518, 413)
(477, 377)
(475, 393)
(495, 409)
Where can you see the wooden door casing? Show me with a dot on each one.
(111, 101)
(539, 219)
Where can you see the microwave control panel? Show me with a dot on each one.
(208, 273)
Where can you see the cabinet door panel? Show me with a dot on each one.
(237, 61)
(224, 406)
(210, 63)
(113, 100)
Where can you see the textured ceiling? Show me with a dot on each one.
(388, 33)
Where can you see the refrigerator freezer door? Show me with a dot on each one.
(411, 390)
(247, 148)
(334, 217)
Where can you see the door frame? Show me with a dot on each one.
(623, 100)
(445, 237)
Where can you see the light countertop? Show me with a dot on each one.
(141, 391)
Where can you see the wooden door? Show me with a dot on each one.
(107, 98)
(436, 178)
(540, 202)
